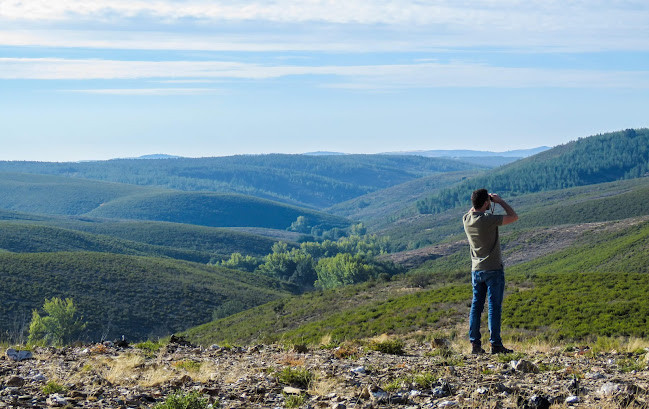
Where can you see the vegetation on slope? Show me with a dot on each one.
(349, 312)
(593, 203)
(213, 209)
(596, 159)
(139, 297)
(378, 208)
(601, 280)
(578, 305)
(325, 264)
(317, 181)
(46, 194)
(216, 241)
(30, 238)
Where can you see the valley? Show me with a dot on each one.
(291, 248)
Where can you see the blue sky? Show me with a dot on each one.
(121, 78)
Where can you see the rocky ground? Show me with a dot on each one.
(349, 376)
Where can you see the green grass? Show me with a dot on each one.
(578, 305)
(346, 313)
(188, 365)
(202, 239)
(298, 377)
(184, 400)
(47, 194)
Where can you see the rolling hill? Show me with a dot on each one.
(312, 181)
(212, 209)
(586, 161)
(202, 239)
(30, 238)
(378, 208)
(595, 286)
(46, 194)
(139, 297)
(600, 202)
(56, 195)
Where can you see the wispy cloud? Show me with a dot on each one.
(352, 25)
(148, 91)
(380, 76)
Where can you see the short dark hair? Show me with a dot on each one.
(479, 197)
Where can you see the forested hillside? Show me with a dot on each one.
(592, 203)
(46, 194)
(137, 296)
(30, 238)
(213, 209)
(316, 181)
(596, 159)
(56, 195)
(376, 209)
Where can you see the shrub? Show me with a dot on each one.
(390, 346)
(59, 327)
(513, 356)
(53, 387)
(189, 366)
(181, 400)
(298, 377)
(295, 401)
(150, 347)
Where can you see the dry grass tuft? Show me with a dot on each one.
(291, 359)
(156, 375)
(325, 386)
(326, 340)
(122, 370)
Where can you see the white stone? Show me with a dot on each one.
(447, 404)
(571, 400)
(289, 390)
(18, 355)
(609, 389)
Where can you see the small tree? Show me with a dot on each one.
(59, 327)
(343, 269)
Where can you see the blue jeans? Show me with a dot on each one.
(489, 283)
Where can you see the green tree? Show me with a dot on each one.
(59, 327)
(300, 225)
(359, 229)
(343, 269)
(241, 262)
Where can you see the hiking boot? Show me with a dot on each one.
(500, 350)
(476, 349)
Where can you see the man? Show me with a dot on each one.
(487, 270)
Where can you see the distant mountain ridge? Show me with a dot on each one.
(300, 180)
(462, 153)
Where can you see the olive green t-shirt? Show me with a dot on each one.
(482, 231)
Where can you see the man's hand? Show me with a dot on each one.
(511, 214)
(495, 198)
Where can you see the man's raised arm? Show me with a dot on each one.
(511, 216)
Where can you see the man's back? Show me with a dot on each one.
(482, 231)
